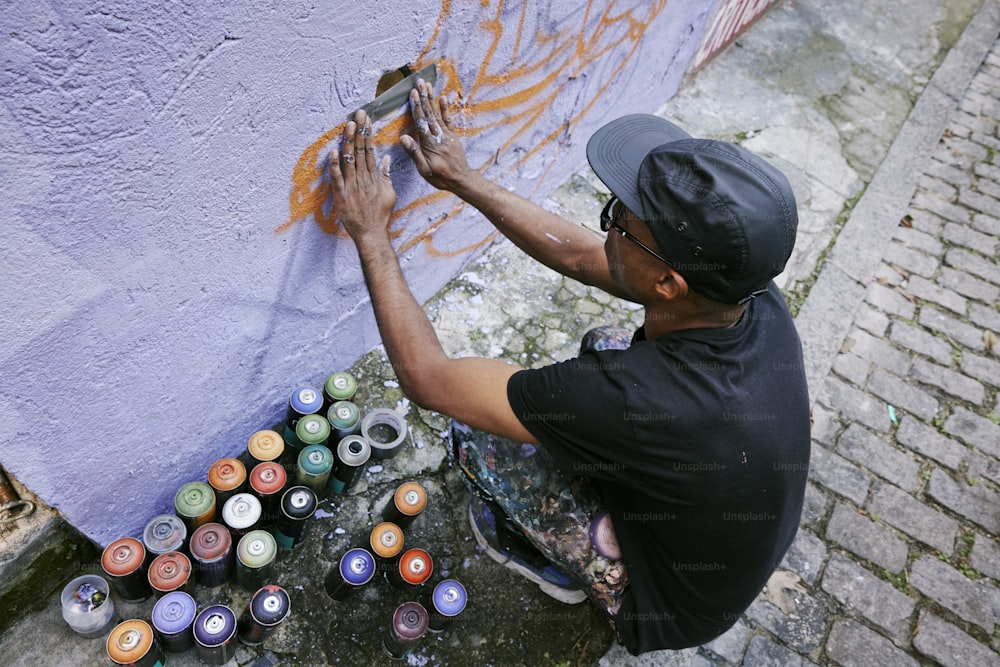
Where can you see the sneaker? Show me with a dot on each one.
(504, 543)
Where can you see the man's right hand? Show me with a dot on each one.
(437, 152)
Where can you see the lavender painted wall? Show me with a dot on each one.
(170, 267)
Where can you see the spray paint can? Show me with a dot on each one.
(195, 504)
(339, 386)
(353, 453)
(169, 572)
(406, 504)
(303, 401)
(385, 431)
(314, 466)
(297, 505)
(255, 556)
(163, 534)
(345, 420)
(264, 446)
(602, 536)
(227, 477)
(241, 514)
(173, 620)
(267, 481)
(212, 552)
(409, 624)
(214, 630)
(124, 562)
(268, 608)
(312, 430)
(133, 643)
(386, 540)
(413, 569)
(446, 601)
(355, 569)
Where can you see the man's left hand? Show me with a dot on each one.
(363, 196)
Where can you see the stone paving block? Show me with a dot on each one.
(935, 204)
(966, 261)
(901, 510)
(915, 238)
(920, 342)
(854, 645)
(731, 644)
(878, 351)
(941, 187)
(964, 235)
(985, 316)
(978, 202)
(805, 556)
(956, 384)
(870, 451)
(967, 285)
(926, 290)
(762, 652)
(960, 332)
(985, 556)
(950, 646)
(839, 475)
(890, 301)
(927, 441)
(802, 631)
(890, 276)
(825, 424)
(855, 405)
(866, 538)
(986, 369)
(873, 598)
(914, 261)
(814, 505)
(974, 430)
(962, 148)
(987, 172)
(974, 601)
(871, 320)
(901, 394)
(926, 221)
(852, 368)
(988, 224)
(976, 503)
(947, 172)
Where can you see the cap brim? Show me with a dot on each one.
(617, 150)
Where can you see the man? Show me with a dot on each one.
(695, 438)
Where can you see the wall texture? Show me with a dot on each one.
(171, 267)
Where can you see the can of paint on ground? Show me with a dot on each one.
(413, 569)
(406, 504)
(602, 536)
(214, 630)
(313, 468)
(227, 477)
(195, 504)
(355, 569)
(163, 534)
(444, 603)
(386, 541)
(124, 563)
(385, 431)
(303, 401)
(312, 430)
(255, 556)
(339, 386)
(267, 609)
(264, 446)
(267, 481)
(297, 505)
(353, 453)
(345, 420)
(409, 624)
(133, 643)
(212, 554)
(173, 620)
(241, 514)
(169, 572)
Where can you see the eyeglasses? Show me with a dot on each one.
(609, 220)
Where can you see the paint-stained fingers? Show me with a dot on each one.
(445, 110)
(348, 149)
(430, 112)
(413, 150)
(369, 147)
(385, 166)
(417, 111)
(336, 175)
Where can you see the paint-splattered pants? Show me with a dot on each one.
(554, 510)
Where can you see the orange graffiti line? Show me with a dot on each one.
(442, 15)
(520, 33)
(496, 28)
(435, 253)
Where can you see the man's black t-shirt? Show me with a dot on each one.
(699, 441)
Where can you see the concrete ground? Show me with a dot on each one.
(884, 116)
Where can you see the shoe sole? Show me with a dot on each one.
(564, 595)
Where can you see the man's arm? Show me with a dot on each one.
(570, 249)
(473, 390)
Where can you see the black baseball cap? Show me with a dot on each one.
(723, 217)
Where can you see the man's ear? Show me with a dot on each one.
(671, 285)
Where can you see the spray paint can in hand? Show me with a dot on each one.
(214, 630)
(406, 504)
(195, 505)
(124, 563)
(173, 619)
(353, 453)
(303, 401)
(241, 514)
(345, 420)
(133, 643)
(163, 534)
(409, 624)
(227, 477)
(267, 481)
(212, 552)
(446, 601)
(355, 569)
(413, 569)
(268, 608)
(264, 446)
(255, 556)
(297, 505)
(169, 572)
(339, 386)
